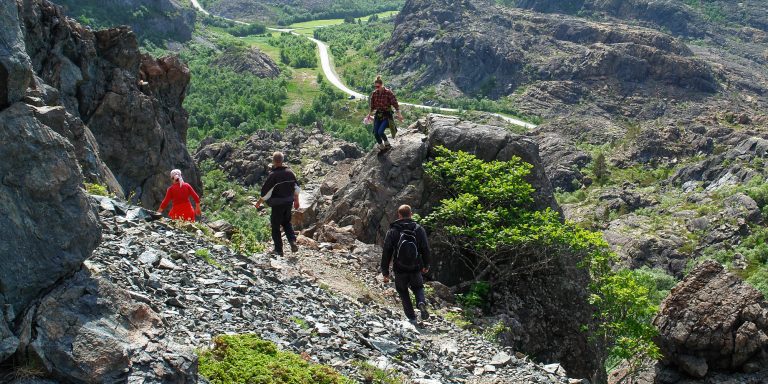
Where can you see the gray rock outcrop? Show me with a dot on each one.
(251, 60)
(713, 321)
(378, 184)
(89, 330)
(129, 103)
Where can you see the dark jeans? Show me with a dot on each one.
(379, 129)
(415, 282)
(281, 216)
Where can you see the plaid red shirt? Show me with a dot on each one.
(382, 99)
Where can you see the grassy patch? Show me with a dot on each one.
(374, 375)
(236, 359)
(206, 255)
(300, 322)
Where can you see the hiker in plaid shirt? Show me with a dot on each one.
(382, 101)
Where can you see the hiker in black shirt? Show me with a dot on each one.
(281, 191)
(406, 246)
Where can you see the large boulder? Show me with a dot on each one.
(379, 184)
(537, 304)
(713, 321)
(42, 200)
(130, 103)
(15, 73)
(88, 330)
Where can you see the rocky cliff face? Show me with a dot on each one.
(364, 203)
(58, 79)
(459, 45)
(129, 103)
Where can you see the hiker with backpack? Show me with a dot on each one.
(382, 102)
(281, 192)
(407, 248)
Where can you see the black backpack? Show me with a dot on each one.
(407, 258)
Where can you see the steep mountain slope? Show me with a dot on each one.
(150, 19)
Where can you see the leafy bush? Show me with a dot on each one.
(490, 215)
(247, 358)
(479, 296)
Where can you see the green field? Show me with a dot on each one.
(308, 27)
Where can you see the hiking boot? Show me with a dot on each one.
(387, 145)
(294, 247)
(414, 322)
(423, 309)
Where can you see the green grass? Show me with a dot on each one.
(308, 27)
(236, 359)
(206, 255)
(375, 375)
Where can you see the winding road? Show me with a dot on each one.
(333, 78)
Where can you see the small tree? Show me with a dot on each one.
(490, 219)
(600, 169)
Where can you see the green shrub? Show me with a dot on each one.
(247, 358)
(490, 214)
(96, 189)
(296, 51)
(479, 296)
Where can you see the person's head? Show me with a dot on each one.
(176, 176)
(378, 83)
(277, 159)
(404, 212)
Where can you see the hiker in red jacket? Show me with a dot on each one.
(178, 194)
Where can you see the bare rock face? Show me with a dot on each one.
(713, 321)
(41, 198)
(15, 73)
(489, 50)
(81, 329)
(129, 103)
(251, 60)
(538, 305)
(88, 330)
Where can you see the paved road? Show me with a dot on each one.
(330, 74)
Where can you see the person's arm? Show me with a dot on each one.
(396, 105)
(386, 255)
(166, 200)
(296, 193)
(195, 197)
(370, 104)
(424, 249)
(266, 189)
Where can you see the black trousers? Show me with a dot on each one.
(281, 217)
(414, 281)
